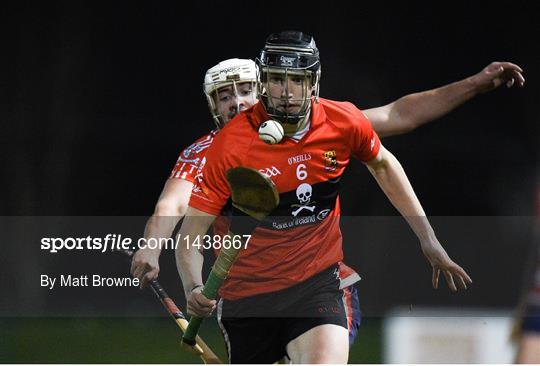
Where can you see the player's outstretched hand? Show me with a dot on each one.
(441, 262)
(496, 74)
(145, 266)
(199, 305)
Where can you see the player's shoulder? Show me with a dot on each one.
(204, 139)
(210, 135)
(238, 130)
(233, 140)
(341, 113)
(199, 145)
(342, 109)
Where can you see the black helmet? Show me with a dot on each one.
(289, 53)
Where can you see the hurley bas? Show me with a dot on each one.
(88, 281)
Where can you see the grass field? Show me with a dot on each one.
(128, 340)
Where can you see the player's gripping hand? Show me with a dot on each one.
(496, 74)
(198, 304)
(441, 262)
(145, 265)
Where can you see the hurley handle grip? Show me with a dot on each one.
(219, 272)
(254, 197)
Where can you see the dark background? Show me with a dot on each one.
(99, 99)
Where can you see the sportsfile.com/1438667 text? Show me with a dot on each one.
(117, 242)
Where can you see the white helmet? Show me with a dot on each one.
(226, 73)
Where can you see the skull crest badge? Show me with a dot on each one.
(303, 192)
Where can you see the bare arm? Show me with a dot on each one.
(189, 261)
(392, 179)
(170, 208)
(417, 109)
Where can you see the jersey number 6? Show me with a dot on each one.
(301, 172)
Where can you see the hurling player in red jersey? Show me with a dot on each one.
(227, 97)
(289, 270)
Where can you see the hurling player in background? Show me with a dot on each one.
(230, 88)
(527, 330)
(295, 255)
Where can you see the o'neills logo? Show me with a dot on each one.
(299, 158)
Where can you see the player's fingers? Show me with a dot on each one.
(494, 68)
(206, 307)
(460, 276)
(139, 272)
(193, 311)
(519, 78)
(456, 270)
(461, 283)
(435, 278)
(497, 70)
(148, 277)
(450, 280)
(202, 311)
(509, 66)
(202, 301)
(461, 273)
(195, 308)
(510, 82)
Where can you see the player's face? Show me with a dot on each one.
(288, 93)
(232, 99)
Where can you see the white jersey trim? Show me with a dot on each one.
(225, 335)
(349, 280)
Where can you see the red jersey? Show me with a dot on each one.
(302, 236)
(190, 159)
(187, 166)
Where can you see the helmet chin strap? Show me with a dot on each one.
(291, 129)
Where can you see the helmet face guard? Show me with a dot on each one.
(228, 73)
(289, 55)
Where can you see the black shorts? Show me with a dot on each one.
(257, 329)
